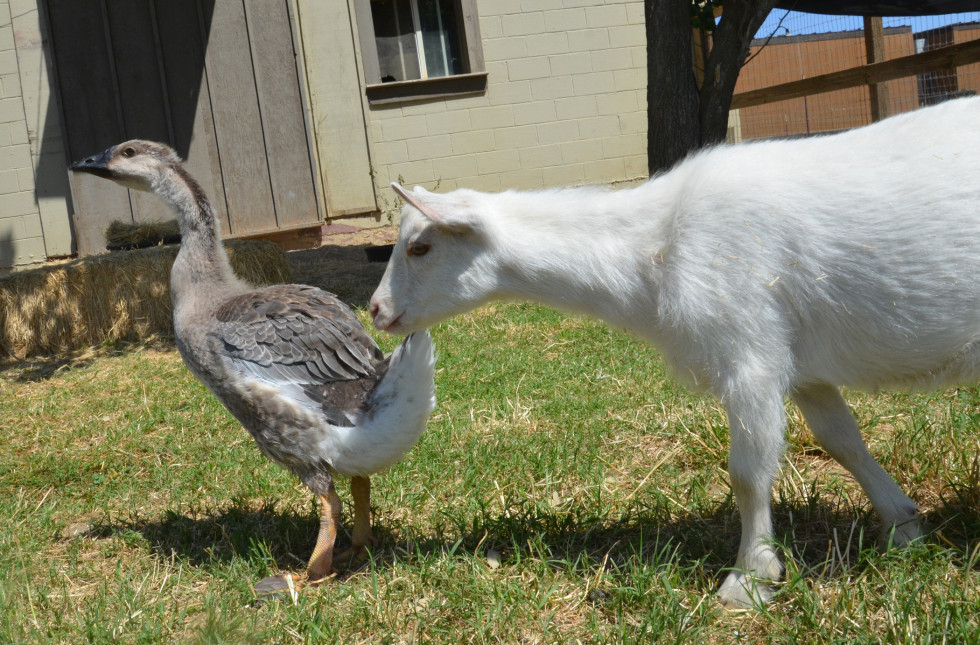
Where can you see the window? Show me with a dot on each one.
(420, 49)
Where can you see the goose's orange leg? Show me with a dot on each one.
(321, 561)
(360, 490)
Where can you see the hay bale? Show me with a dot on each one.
(126, 235)
(122, 296)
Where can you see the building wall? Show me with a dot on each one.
(21, 236)
(34, 202)
(565, 105)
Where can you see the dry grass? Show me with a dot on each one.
(126, 235)
(122, 296)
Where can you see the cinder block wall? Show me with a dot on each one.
(21, 239)
(565, 104)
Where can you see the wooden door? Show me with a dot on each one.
(216, 79)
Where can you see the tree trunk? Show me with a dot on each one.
(731, 40)
(672, 93)
(680, 117)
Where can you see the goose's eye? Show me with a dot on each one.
(418, 249)
(129, 152)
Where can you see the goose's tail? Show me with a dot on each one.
(396, 411)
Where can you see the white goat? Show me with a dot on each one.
(762, 270)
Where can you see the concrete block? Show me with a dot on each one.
(629, 79)
(29, 251)
(557, 132)
(523, 24)
(625, 145)
(454, 167)
(605, 171)
(523, 179)
(495, 116)
(577, 107)
(411, 173)
(510, 93)
(523, 69)
(477, 141)
(547, 43)
(636, 166)
(516, 137)
(565, 20)
(429, 147)
(19, 203)
(491, 27)
(636, 13)
(391, 151)
(541, 5)
(594, 83)
(612, 59)
(599, 127)
(9, 181)
(628, 36)
(498, 161)
(536, 112)
(540, 156)
(564, 175)
(505, 49)
(550, 88)
(11, 86)
(616, 103)
(403, 127)
(500, 7)
(587, 40)
(486, 183)
(452, 121)
(633, 122)
(11, 109)
(606, 15)
(578, 152)
(572, 63)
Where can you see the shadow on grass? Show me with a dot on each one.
(815, 533)
(41, 368)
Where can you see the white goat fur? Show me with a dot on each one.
(761, 270)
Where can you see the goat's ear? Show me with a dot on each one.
(421, 199)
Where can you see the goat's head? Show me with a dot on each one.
(439, 267)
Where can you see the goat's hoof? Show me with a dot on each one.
(902, 534)
(739, 591)
(277, 587)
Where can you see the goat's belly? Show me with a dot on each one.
(877, 365)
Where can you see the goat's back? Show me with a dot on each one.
(849, 259)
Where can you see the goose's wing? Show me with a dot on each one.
(301, 340)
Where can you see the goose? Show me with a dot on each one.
(291, 363)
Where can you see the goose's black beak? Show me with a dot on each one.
(97, 165)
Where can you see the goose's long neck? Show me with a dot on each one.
(201, 266)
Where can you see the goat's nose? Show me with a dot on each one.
(375, 309)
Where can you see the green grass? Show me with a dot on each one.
(567, 489)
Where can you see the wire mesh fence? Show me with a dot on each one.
(792, 46)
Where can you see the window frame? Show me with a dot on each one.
(472, 82)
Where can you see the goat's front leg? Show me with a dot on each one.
(757, 421)
(833, 425)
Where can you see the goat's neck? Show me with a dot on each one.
(201, 268)
(593, 255)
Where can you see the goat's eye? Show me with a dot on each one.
(129, 152)
(418, 249)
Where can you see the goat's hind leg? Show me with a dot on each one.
(832, 423)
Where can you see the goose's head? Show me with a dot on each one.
(135, 164)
